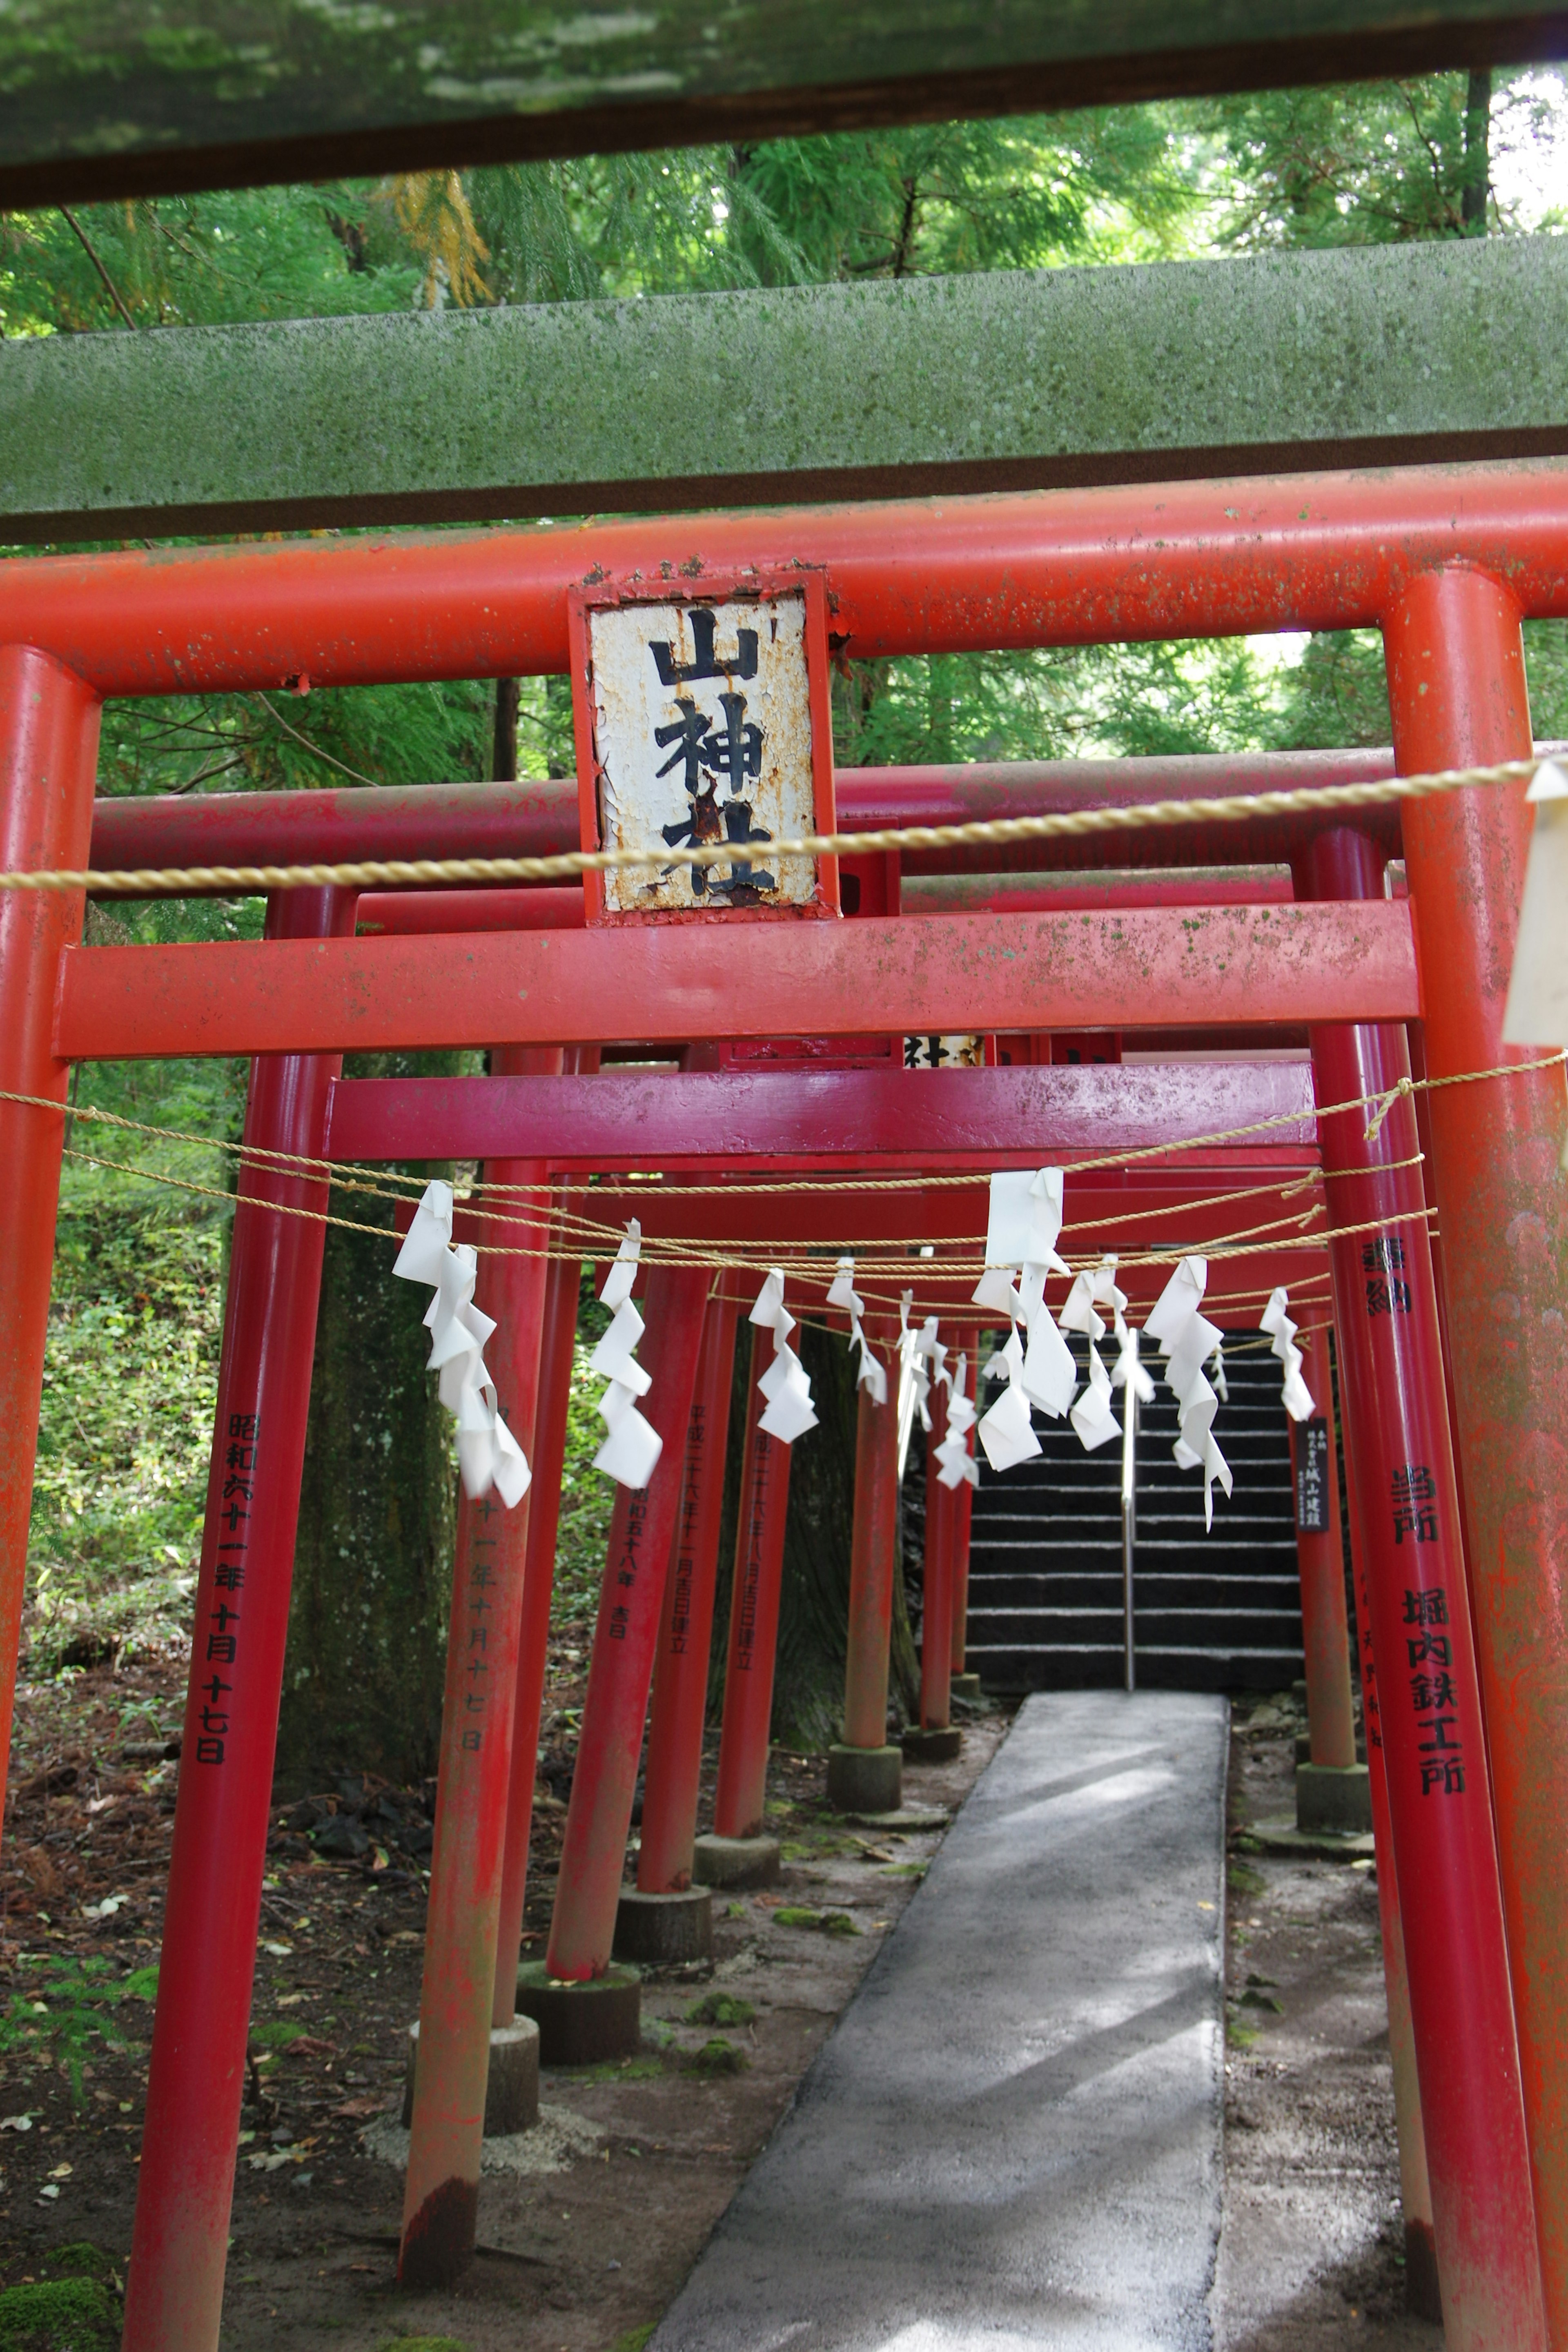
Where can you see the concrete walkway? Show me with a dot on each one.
(1013, 2136)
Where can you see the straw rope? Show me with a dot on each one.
(396, 873)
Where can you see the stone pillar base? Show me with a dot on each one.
(865, 1780)
(937, 1744)
(1333, 1799)
(581, 2024)
(738, 1863)
(660, 1931)
(966, 1687)
(512, 2088)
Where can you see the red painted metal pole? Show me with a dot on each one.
(179, 2243)
(48, 744)
(1386, 1314)
(1319, 1556)
(441, 2190)
(620, 1672)
(1456, 689)
(873, 1553)
(743, 1744)
(963, 1509)
(674, 1771)
(558, 1334)
(936, 1589)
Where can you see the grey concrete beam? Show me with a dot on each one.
(1281, 361)
(99, 98)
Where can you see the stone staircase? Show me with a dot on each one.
(1212, 1611)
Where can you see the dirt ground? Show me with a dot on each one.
(584, 2250)
(1313, 2253)
(643, 2156)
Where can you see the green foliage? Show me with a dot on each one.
(68, 2010)
(74, 2315)
(125, 1425)
(635, 2337)
(720, 2009)
(276, 2034)
(588, 1499)
(717, 2056)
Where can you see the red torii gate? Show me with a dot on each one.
(1445, 563)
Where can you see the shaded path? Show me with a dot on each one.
(1012, 2137)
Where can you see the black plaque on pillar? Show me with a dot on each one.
(1314, 1459)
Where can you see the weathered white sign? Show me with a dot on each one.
(702, 718)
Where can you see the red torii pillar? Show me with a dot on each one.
(1331, 1789)
(753, 1649)
(179, 2244)
(663, 1917)
(964, 1685)
(1434, 1741)
(1456, 692)
(451, 2082)
(48, 749)
(583, 2012)
(864, 1773)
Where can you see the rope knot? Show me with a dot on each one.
(1384, 1105)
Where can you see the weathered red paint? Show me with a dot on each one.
(558, 1330)
(936, 1119)
(409, 913)
(1456, 689)
(1320, 1556)
(754, 1594)
(936, 1589)
(662, 983)
(440, 2201)
(625, 1636)
(1330, 551)
(1400, 1454)
(540, 819)
(962, 1506)
(1422, 2290)
(49, 746)
(873, 1553)
(184, 2188)
(671, 1782)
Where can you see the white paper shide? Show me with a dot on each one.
(1276, 1320)
(631, 1451)
(488, 1453)
(790, 1412)
(842, 1293)
(1187, 1340)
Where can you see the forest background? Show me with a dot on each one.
(138, 1297)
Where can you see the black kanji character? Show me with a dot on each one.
(1446, 1775)
(1426, 1608)
(708, 663)
(1431, 1692)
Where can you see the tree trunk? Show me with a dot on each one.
(372, 1560)
(1478, 152)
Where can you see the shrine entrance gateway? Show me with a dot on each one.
(1445, 564)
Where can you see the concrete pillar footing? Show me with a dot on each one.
(730, 1862)
(865, 1780)
(581, 2024)
(934, 1744)
(512, 2088)
(1333, 1798)
(967, 1687)
(661, 1931)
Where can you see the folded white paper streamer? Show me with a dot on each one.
(1276, 1320)
(1537, 1009)
(1187, 1340)
(920, 1364)
(790, 1412)
(842, 1293)
(488, 1453)
(957, 1462)
(1025, 1216)
(630, 1452)
(1007, 1432)
(1091, 1416)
